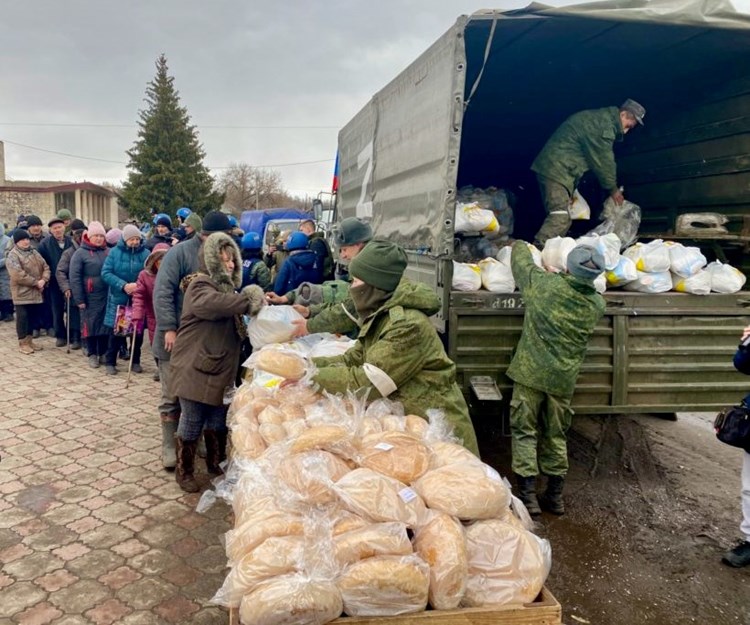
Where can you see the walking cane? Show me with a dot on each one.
(132, 353)
(67, 322)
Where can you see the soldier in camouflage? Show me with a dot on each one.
(581, 143)
(398, 353)
(561, 311)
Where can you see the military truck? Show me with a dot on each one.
(478, 105)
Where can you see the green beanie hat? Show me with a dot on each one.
(193, 220)
(380, 264)
(64, 214)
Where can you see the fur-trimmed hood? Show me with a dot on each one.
(210, 263)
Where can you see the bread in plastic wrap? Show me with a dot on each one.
(467, 490)
(346, 521)
(379, 539)
(416, 425)
(281, 363)
(368, 426)
(258, 525)
(294, 427)
(272, 433)
(441, 544)
(291, 600)
(292, 412)
(398, 455)
(247, 441)
(506, 564)
(333, 438)
(278, 555)
(271, 414)
(385, 586)
(311, 474)
(445, 453)
(393, 423)
(380, 498)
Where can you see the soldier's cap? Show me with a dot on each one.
(352, 231)
(636, 109)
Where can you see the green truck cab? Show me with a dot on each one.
(477, 106)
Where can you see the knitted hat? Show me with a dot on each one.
(297, 241)
(19, 235)
(164, 221)
(55, 220)
(64, 214)
(96, 228)
(179, 233)
(351, 231)
(77, 224)
(194, 221)
(112, 237)
(215, 221)
(380, 264)
(585, 262)
(130, 231)
(33, 220)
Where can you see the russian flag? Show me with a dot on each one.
(336, 175)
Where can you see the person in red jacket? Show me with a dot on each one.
(143, 297)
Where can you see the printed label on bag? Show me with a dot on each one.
(384, 446)
(407, 495)
(492, 474)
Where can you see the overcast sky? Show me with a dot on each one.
(235, 63)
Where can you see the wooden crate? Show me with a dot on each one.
(546, 610)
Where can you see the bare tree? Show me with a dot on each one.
(246, 187)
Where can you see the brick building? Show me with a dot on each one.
(86, 200)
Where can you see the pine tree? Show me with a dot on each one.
(166, 161)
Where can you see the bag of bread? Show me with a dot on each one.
(379, 539)
(334, 438)
(291, 599)
(385, 586)
(506, 564)
(281, 361)
(416, 425)
(311, 475)
(396, 454)
(247, 441)
(380, 498)
(445, 453)
(467, 490)
(441, 544)
(259, 525)
(272, 433)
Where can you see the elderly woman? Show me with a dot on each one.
(398, 354)
(120, 272)
(90, 291)
(205, 353)
(6, 299)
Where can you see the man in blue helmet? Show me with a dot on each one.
(303, 265)
(162, 231)
(254, 270)
(182, 215)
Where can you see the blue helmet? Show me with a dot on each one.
(232, 221)
(183, 213)
(162, 216)
(251, 241)
(297, 241)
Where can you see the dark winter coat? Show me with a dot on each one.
(319, 245)
(122, 266)
(301, 266)
(52, 253)
(89, 288)
(26, 268)
(207, 349)
(255, 271)
(143, 298)
(4, 276)
(155, 239)
(62, 273)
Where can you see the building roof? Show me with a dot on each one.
(57, 187)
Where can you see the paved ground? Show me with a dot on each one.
(92, 529)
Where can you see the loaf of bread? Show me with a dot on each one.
(385, 586)
(260, 525)
(281, 363)
(441, 544)
(396, 454)
(506, 564)
(467, 490)
(311, 475)
(291, 600)
(393, 423)
(346, 521)
(379, 539)
(271, 414)
(380, 498)
(247, 441)
(368, 426)
(272, 433)
(444, 453)
(294, 427)
(333, 438)
(416, 425)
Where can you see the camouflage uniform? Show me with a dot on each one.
(399, 355)
(581, 143)
(560, 315)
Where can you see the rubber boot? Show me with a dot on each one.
(24, 346)
(552, 499)
(168, 455)
(527, 494)
(216, 450)
(185, 452)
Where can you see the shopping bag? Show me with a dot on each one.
(123, 320)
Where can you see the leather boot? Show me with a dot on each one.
(216, 450)
(527, 494)
(24, 346)
(552, 499)
(185, 452)
(168, 432)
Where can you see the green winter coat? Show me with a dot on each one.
(399, 355)
(581, 143)
(560, 314)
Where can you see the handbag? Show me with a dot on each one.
(732, 426)
(123, 320)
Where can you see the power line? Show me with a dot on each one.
(199, 126)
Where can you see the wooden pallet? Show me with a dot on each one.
(546, 610)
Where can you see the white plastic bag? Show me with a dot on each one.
(555, 253)
(697, 284)
(600, 283)
(496, 276)
(473, 218)
(725, 278)
(622, 274)
(653, 282)
(607, 244)
(273, 324)
(466, 277)
(649, 257)
(579, 208)
(685, 261)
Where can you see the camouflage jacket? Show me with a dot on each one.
(561, 312)
(581, 143)
(399, 355)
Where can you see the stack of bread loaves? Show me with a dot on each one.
(343, 507)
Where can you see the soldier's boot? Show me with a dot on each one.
(552, 499)
(527, 494)
(183, 474)
(24, 346)
(168, 432)
(35, 346)
(216, 450)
